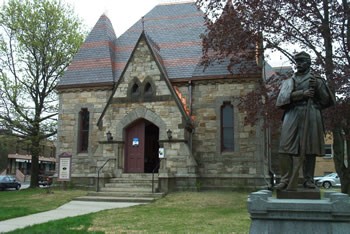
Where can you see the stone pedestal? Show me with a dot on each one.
(271, 215)
(299, 194)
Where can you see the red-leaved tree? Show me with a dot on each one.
(242, 29)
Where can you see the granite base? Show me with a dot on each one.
(299, 194)
(271, 215)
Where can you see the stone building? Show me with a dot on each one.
(144, 102)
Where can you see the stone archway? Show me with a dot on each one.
(141, 113)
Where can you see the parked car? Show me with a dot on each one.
(328, 181)
(8, 181)
(45, 180)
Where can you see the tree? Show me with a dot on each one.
(38, 40)
(320, 27)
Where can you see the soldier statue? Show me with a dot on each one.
(293, 98)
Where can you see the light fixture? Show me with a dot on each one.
(109, 136)
(170, 134)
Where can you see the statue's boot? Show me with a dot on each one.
(308, 171)
(286, 167)
(309, 184)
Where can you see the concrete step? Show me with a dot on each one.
(126, 189)
(139, 175)
(128, 179)
(125, 194)
(115, 199)
(130, 185)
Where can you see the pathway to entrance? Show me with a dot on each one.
(71, 209)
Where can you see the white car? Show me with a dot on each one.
(328, 181)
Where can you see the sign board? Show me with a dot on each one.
(135, 141)
(161, 153)
(64, 170)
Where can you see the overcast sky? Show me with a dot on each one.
(122, 13)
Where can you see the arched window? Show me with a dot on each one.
(148, 89)
(135, 90)
(83, 135)
(227, 127)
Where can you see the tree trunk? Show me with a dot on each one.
(35, 151)
(338, 138)
(338, 157)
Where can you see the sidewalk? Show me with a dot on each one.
(71, 209)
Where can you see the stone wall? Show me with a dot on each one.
(71, 102)
(247, 164)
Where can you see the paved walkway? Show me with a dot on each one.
(73, 208)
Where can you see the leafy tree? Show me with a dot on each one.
(320, 27)
(38, 40)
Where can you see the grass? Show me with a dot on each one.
(29, 201)
(182, 212)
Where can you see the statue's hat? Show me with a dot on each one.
(301, 55)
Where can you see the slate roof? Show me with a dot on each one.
(95, 59)
(174, 31)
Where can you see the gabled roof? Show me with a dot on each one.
(154, 49)
(160, 63)
(95, 59)
(175, 30)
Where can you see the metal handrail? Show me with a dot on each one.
(98, 174)
(154, 169)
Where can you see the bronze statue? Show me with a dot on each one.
(302, 96)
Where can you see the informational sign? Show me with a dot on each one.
(161, 153)
(135, 141)
(64, 170)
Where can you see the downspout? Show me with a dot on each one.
(190, 96)
(190, 108)
(192, 163)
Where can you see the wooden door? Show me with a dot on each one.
(135, 148)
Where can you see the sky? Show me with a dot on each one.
(122, 13)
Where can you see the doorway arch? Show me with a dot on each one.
(140, 113)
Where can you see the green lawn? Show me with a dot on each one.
(182, 212)
(28, 201)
